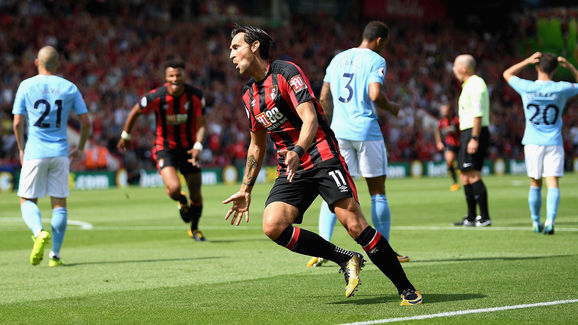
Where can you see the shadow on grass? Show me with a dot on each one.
(491, 258)
(145, 261)
(428, 298)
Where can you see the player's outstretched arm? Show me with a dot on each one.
(124, 142)
(242, 199)
(516, 68)
(564, 63)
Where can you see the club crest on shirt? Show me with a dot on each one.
(187, 105)
(273, 91)
(297, 83)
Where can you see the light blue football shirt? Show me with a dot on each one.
(544, 103)
(349, 75)
(47, 101)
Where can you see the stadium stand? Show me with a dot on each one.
(112, 51)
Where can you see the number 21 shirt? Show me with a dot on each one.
(47, 101)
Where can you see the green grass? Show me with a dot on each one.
(138, 266)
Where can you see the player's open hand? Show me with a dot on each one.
(241, 202)
(292, 161)
(194, 160)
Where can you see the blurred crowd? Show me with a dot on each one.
(115, 59)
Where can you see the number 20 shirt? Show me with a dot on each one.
(271, 105)
(544, 103)
(349, 75)
(47, 101)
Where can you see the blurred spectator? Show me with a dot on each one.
(109, 47)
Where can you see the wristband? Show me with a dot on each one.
(475, 137)
(125, 135)
(198, 146)
(299, 151)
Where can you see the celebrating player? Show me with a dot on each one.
(279, 101)
(543, 101)
(44, 103)
(180, 128)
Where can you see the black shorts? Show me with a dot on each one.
(330, 179)
(454, 149)
(475, 161)
(177, 158)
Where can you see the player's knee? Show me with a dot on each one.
(174, 191)
(352, 219)
(271, 231)
(355, 228)
(272, 228)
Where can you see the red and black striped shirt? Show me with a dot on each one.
(450, 131)
(176, 116)
(271, 105)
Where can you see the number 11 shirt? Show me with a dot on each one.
(271, 105)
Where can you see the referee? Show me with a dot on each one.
(474, 115)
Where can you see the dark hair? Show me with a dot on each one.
(253, 34)
(375, 29)
(548, 63)
(173, 63)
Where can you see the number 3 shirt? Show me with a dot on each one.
(349, 75)
(47, 101)
(544, 103)
(271, 104)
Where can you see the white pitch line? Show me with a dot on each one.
(83, 225)
(464, 312)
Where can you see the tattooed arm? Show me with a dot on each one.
(242, 199)
(255, 155)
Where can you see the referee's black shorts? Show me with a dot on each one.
(475, 161)
(330, 179)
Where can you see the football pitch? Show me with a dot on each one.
(129, 261)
